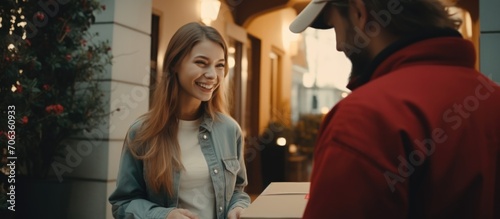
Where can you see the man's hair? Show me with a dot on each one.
(413, 15)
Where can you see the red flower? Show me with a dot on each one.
(67, 29)
(83, 42)
(40, 16)
(49, 109)
(24, 120)
(103, 7)
(19, 88)
(56, 109)
(46, 87)
(59, 109)
(4, 134)
(68, 57)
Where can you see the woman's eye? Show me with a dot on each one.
(201, 63)
(221, 65)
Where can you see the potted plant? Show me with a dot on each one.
(49, 83)
(306, 131)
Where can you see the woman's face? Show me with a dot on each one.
(200, 72)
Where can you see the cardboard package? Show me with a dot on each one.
(283, 200)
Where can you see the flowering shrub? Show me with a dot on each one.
(306, 131)
(49, 77)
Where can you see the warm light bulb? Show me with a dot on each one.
(324, 110)
(281, 141)
(209, 10)
(292, 149)
(231, 62)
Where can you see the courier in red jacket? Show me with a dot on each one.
(419, 137)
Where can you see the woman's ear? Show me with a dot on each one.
(358, 13)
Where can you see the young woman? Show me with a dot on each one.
(184, 158)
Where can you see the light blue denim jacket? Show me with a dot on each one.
(221, 144)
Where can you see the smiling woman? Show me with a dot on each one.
(166, 172)
(199, 74)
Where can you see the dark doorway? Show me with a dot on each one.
(155, 35)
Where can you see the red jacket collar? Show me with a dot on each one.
(443, 47)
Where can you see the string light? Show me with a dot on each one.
(11, 47)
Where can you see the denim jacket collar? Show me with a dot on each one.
(207, 122)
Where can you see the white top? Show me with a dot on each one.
(196, 192)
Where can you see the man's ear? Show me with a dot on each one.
(358, 13)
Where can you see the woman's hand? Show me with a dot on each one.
(235, 213)
(180, 213)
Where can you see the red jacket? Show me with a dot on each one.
(420, 139)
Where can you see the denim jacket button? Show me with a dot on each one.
(220, 208)
(216, 171)
(204, 136)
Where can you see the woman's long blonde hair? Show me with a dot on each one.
(156, 140)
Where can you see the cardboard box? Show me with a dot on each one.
(283, 200)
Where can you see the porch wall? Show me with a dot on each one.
(490, 38)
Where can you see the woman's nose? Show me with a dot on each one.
(210, 73)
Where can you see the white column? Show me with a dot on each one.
(127, 25)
